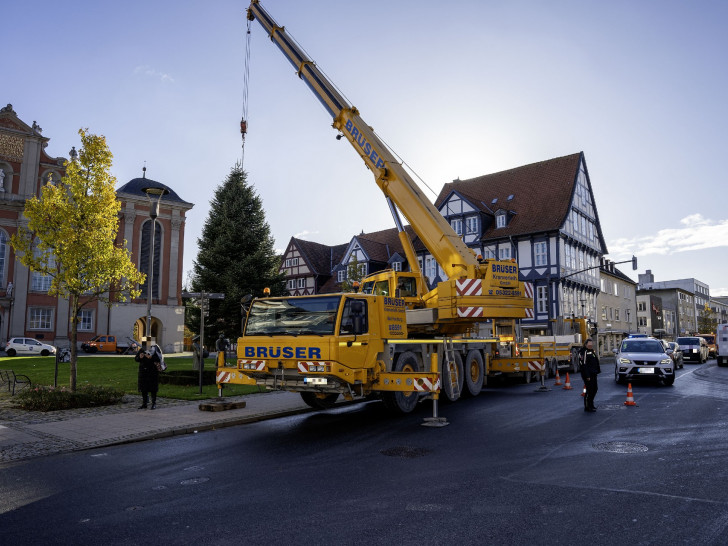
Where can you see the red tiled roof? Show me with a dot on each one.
(541, 193)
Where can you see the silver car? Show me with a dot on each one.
(694, 348)
(644, 358)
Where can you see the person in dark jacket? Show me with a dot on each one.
(589, 371)
(148, 381)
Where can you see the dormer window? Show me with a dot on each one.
(500, 220)
(457, 225)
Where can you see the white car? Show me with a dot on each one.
(28, 346)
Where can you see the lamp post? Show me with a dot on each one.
(152, 192)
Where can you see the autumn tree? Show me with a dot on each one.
(707, 320)
(354, 275)
(236, 255)
(71, 233)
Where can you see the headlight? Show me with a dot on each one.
(666, 361)
(624, 361)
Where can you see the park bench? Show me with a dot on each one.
(13, 380)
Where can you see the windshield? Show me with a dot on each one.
(688, 341)
(709, 339)
(642, 346)
(293, 316)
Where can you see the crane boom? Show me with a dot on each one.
(448, 249)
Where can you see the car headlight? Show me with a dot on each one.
(624, 361)
(666, 361)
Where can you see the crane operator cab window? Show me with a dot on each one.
(406, 287)
(354, 318)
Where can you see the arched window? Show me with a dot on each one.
(144, 257)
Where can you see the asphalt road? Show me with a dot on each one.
(513, 467)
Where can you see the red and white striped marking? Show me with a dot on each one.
(534, 365)
(469, 287)
(528, 286)
(304, 367)
(469, 312)
(259, 364)
(425, 385)
(223, 377)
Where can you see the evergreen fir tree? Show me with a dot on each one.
(235, 256)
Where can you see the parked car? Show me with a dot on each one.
(694, 348)
(710, 340)
(644, 358)
(677, 355)
(721, 344)
(28, 346)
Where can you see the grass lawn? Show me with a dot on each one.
(119, 372)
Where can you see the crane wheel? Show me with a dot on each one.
(319, 401)
(403, 402)
(474, 373)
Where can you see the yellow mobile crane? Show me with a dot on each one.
(395, 338)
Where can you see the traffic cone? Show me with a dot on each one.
(558, 379)
(583, 391)
(630, 398)
(567, 386)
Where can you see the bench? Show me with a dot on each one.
(13, 380)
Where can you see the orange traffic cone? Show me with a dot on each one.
(630, 398)
(583, 391)
(567, 386)
(558, 379)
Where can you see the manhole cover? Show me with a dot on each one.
(620, 447)
(405, 452)
(193, 481)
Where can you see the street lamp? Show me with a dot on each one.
(158, 192)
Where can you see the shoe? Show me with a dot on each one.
(590, 410)
(143, 406)
(154, 406)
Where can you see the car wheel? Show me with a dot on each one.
(668, 381)
(618, 378)
(45, 352)
(11, 352)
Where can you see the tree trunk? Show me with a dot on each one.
(74, 333)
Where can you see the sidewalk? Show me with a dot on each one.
(28, 434)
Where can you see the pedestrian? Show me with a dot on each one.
(148, 381)
(589, 371)
(221, 346)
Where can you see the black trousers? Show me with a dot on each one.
(145, 397)
(591, 391)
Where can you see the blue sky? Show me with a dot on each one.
(457, 89)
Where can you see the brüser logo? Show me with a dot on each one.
(303, 353)
(500, 268)
(368, 149)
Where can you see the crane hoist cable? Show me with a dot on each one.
(246, 80)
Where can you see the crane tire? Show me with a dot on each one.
(474, 373)
(403, 402)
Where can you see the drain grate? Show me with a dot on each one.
(620, 447)
(405, 452)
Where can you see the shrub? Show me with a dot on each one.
(59, 398)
